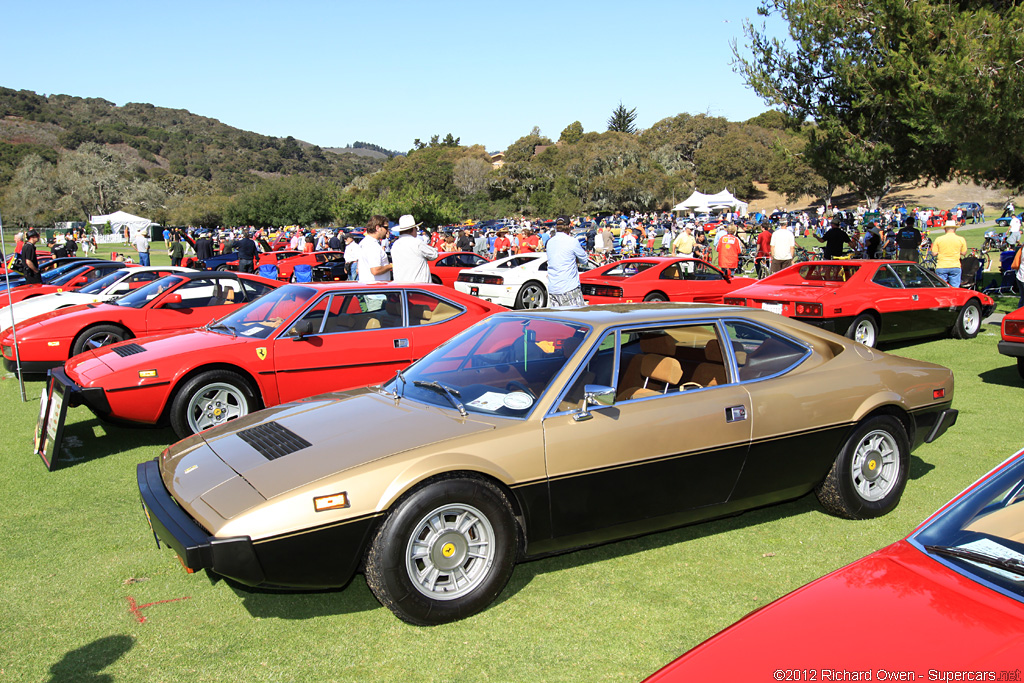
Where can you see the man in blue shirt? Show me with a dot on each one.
(564, 252)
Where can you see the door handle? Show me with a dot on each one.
(401, 343)
(735, 413)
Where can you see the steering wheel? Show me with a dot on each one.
(516, 384)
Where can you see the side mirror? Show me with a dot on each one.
(594, 395)
(302, 330)
(171, 300)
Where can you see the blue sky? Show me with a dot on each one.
(331, 73)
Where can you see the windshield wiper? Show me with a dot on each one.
(399, 375)
(449, 393)
(221, 326)
(1012, 565)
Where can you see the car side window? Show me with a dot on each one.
(598, 370)
(762, 353)
(706, 272)
(203, 292)
(683, 270)
(426, 309)
(885, 277)
(448, 262)
(254, 290)
(911, 275)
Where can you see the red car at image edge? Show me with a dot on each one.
(1012, 342)
(945, 600)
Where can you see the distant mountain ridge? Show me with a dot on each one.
(164, 141)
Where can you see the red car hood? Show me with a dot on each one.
(894, 610)
(158, 350)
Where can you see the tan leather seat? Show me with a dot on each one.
(711, 371)
(660, 374)
(632, 378)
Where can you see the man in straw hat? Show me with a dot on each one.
(949, 249)
(410, 254)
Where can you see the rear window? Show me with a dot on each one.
(828, 272)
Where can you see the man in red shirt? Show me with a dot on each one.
(764, 250)
(502, 245)
(528, 242)
(729, 250)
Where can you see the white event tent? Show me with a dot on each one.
(121, 219)
(698, 202)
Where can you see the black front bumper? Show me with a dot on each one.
(94, 397)
(231, 557)
(32, 370)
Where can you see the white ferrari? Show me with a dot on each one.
(516, 281)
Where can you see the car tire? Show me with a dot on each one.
(103, 335)
(968, 321)
(223, 267)
(419, 564)
(655, 296)
(864, 329)
(870, 472)
(210, 399)
(532, 295)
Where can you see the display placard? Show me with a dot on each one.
(50, 426)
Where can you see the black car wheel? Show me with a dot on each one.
(864, 329)
(99, 335)
(968, 322)
(209, 399)
(655, 296)
(444, 553)
(870, 473)
(532, 295)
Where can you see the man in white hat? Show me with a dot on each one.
(409, 254)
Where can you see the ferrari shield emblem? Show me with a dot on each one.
(261, 352)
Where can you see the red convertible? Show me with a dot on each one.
(298, 341)
(870, 301)
(1012, 343)
(176, 302)
(944, 604)
(658, 279)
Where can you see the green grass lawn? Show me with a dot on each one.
(77, 554)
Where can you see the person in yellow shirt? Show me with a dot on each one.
(683, 244)
(948, 250)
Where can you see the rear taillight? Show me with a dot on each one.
(606, 290)
(811, 309)
(1013, 328)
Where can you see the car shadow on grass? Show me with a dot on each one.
(1006, 376)
(295, 604)
(89, 438)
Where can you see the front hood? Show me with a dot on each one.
(65, 314)
(894, 609)
(342, 430)
(47, 303)
(154, 354)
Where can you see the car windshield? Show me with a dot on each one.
(500, 366)
(69, 275)
(50, 277)
(258, 319)
(982, 534)
(104, 282)
(143, 295)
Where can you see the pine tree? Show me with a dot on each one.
(623, 120)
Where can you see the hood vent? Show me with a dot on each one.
(273, 441)
(128, 350)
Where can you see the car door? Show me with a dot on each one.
(694, 281)
(203, 298)
(357, 338)
(661, 451)
(907, 302)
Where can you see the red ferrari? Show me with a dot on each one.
(870, 301)
(658, 278)
(176, 302)
(943, 603)
(1012, 343)
(445, 270)
(298, 341)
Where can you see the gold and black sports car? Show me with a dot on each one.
(537, 432)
